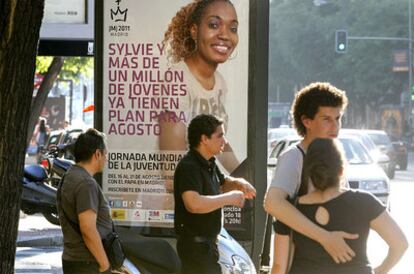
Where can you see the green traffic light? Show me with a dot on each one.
(341, 47)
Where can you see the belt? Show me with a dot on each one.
(200, 239)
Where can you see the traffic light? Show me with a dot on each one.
(341, 41)
(412, 93)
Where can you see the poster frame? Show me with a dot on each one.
(257, 108)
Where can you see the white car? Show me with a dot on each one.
(361, 172)
(377, 155)
(276, 134)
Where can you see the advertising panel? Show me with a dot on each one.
(149, 100)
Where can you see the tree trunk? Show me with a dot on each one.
(41, 96)
(19, 34)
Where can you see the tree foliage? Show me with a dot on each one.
(72, 68)
(52, 68)
(302, 48)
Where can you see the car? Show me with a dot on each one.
(361, 172)
(378, 156)
(383, 142)
(276, 134)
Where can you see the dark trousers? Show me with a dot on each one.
(199, 257)
(75, 267)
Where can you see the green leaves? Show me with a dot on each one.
(72, 68)
(302, 47)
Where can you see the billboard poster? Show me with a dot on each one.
(148, 101)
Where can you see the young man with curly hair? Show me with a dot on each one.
(317, 112)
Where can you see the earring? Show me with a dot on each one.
(233, 55)
(190, 41)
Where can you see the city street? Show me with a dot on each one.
(39, 246)
(38, 259)
(402, 191)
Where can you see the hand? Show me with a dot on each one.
(248, 190)
(334, 243)
(380, 270)
(236, 198)
(277, 269)
(107, 271)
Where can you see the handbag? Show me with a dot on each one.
(111, 243)
(113, 249)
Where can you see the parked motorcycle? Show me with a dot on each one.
(156, 256)
(56, 164)
(40, 184)
(146, 255)
(37, 195)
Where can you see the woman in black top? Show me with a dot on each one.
(337, 209)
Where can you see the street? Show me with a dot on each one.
(39, 246)
(41, 259)
(402, 190)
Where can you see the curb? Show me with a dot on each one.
(40, 241)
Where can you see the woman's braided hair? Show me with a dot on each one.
(177, 38)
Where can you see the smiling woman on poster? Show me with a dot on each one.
(202, 35)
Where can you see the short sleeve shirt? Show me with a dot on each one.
(194, 173)
(80, 192)
(200, 100)
(287, 174)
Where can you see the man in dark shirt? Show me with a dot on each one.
(200, 191)
(83, 210)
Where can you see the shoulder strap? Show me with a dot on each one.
(303, 187)
(74, 225)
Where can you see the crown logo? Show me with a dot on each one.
(119, 15)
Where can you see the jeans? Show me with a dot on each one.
(198, 257)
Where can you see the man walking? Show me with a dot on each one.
(83, 210)
(200, 191)
(317, 112)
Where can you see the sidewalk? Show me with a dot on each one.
(39, 246)
(35, 230)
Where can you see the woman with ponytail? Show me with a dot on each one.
(339, 209)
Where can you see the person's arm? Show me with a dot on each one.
(332, 241)
(200, 204)
(92, 239)
(172, 137)
(281, 252)
(231, 183)
(392, 234)
(172, 133)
